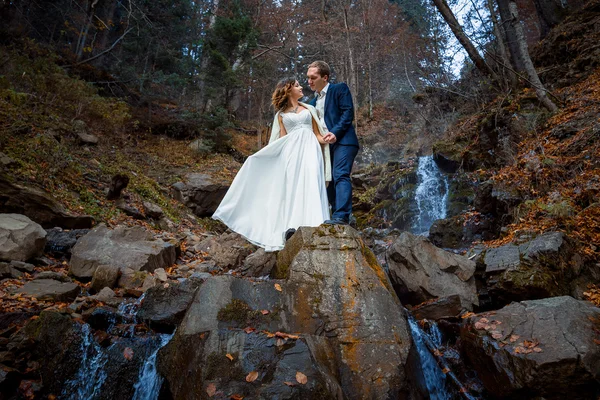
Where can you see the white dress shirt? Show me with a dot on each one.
(320, 106)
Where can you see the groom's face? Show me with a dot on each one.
(315, 80)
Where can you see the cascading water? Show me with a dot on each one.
(149, 381)
(431, 195)
(433, 376)
(91, 375)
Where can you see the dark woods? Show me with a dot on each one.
(219, 59)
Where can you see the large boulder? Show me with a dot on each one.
(200, 193)
(133, 248)
(228, 250)
(40, 206)
(542, 267)
(311, 320)
(421, 271)
(20, 238)
(163, 307)
(544, 348)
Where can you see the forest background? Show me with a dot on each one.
(213, 64)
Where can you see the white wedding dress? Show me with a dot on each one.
(280, 187)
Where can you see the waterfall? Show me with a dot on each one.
(431, 195)
(434, 378)
(91, 375)
(149, 381)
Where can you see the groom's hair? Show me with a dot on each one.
(322, 67)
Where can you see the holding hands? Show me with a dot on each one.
(329, 138)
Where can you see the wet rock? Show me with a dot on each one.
(120, 248)
(39, 206)
(200, 193)
(9, 380)
(104, 276)
(57, 276)
(23, 266)
(7, 271)
(52, 343)
(276, 364)
(460, 231)
(106, 295)
(59, 242)
(537, 349)
(20, 238)
(228, 250)
(326, 278)
(445, 307)
(421, 271)
(446, 160)
(259, 263)
(51, 290)
(122, 372)
(163, 308)
(101, 318)
(538, 268)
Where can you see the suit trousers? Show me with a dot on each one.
(339, 191)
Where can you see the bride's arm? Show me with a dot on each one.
(317, 132)
(282, 131)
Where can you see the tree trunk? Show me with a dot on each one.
(501, 46)
(460, 35)
(511, 36)
(353, 81)
(534, 79)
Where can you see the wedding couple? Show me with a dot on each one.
(304, 169)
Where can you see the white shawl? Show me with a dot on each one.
(324, 147)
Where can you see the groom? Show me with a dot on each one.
(336, 110)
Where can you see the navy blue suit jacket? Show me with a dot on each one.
(339, 113)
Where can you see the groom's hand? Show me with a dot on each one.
(329, 138)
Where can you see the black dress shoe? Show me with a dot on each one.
(289, 233)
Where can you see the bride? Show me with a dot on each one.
(282, 186)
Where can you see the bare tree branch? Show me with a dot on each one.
(101, 53)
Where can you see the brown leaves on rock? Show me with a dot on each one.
(301, 378)
(527, 347)
(229, 356)
(485, 324)
(278, 287)
(593, 294)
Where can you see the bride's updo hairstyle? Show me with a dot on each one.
(279, 99)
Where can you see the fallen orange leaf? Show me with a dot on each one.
(278, 287)
(229, 356)
(251, 377)
(301, 378)
(128, 353)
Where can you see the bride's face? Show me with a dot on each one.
(296, 92)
